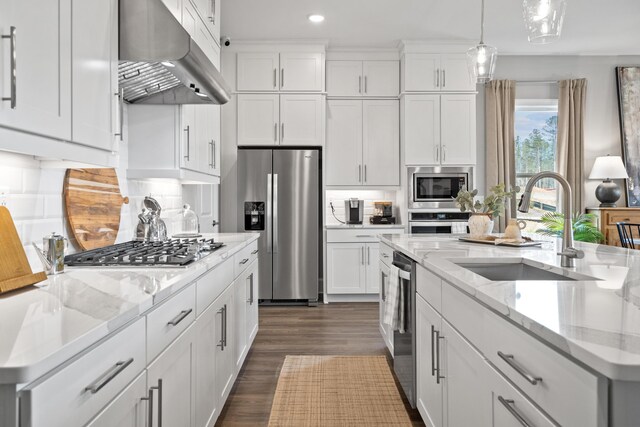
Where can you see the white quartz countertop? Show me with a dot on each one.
(596, 322)
(43, 326)
(362, 226)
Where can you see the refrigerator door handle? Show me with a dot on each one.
(269, 209)
(275, 213)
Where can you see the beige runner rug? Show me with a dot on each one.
(337, 391)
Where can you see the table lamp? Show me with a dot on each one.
(608, 168)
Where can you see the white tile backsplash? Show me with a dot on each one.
(337, 197)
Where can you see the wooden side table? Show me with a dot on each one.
(607, 218)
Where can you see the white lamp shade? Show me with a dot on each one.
(543, 19)
(481, 61)
(608, 167)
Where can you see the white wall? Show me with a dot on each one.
(602, 127)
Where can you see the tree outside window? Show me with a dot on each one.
(536, 124)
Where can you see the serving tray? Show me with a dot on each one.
(496, 243)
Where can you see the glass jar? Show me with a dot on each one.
(189, 222)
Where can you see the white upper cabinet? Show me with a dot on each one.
(258, 72)
(381, 78)
(271, 119)
(35, 66)
(363, 142)
(429, 72)
(381, 142)
(458, 129)
(439, 129)
(287, 72)
(344, 142)
(258, 119)
(209, 11)
(301, 72)
(175, 7)
(301, 119)
(363, 78)
(190, 138)
(95, 104)
(344, 78)
(208, 138)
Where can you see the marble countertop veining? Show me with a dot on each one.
(43, 326)
(597, 322)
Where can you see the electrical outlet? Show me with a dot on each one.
(4, 195)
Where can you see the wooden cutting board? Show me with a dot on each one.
(15, 271)
(93, 202)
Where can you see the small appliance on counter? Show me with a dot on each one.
(354, 211)
(382, 213)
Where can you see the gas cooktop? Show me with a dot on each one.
(169, 253)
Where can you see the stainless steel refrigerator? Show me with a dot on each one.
(279, 197)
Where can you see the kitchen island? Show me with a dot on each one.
(556, 350)
(100, 344)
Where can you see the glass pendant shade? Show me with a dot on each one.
(481, 60)
(543, 19)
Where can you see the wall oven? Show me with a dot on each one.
(437, 187)
(438, 222)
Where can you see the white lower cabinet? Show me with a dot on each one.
(128, 409)
(240, 312)
(429, 387)
(383, 282)
(171, 378)
(352, 268)
(207, 327)
(252, 283)
(224, 361)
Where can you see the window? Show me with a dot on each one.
(536, 123)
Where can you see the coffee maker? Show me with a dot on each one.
(354, 211)
(382, 213)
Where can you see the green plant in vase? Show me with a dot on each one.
(483, 212)
(584, 227)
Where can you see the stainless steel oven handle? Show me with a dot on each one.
(509, 405)
(404, 275)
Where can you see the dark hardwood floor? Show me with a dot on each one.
(324, 330)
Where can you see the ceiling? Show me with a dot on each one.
(598, 27)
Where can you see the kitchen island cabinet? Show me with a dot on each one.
(152, 348)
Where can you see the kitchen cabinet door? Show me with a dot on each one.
(127, 409)
(207, 341)
(206, 41)
(344, 142)
(258, 119)
(301, 72)
(383, 279)
(346, 268)
(190, 18)
(455, 73)
(252, 301)
(344, 78)
(381, 142)
(190, 138)
(301, 120)
(421, 72)
(429, 392)
(175, 367)
(458, 129)
(175, 7)
(42, 67)
(207, 125)
(465, 381)
(224, 360)
(94, 72)
(209, 11)
(421, 129)
(258, 72)
(373, 261)
(240, 314)
(381, 78)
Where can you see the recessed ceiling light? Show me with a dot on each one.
(316, 19)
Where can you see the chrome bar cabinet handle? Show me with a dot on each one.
(179, 318)
(365, 84)
(211, 155)
(368, 255)
(225, 325)
(510, 360)
(188, 131)
(282, 78)
(244, 261)
(509, 404)
(221, 343)
(438, 77)
(438, 376)
(359, 84)
(120, 95)
(14, 73)
(365, 174)
(108, 376)
(282, 132)
(444, 78)
(275, 132)
(149, 400)
(433, 353)
(382, 291)
(255, 252)
(159, 388)
(359, 173)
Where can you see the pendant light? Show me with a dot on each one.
(481, 59)
(543, 19)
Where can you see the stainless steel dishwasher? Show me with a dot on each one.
(404, 340)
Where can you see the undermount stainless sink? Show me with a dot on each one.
(519, 269)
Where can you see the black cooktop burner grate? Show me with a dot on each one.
(173, 252)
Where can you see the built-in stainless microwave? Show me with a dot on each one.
(437, 187)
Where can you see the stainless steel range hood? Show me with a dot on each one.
(160, 63)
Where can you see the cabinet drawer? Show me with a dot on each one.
(508, 404)
(386, 254)
(360, 234)
(612, 217)
(429, 287)
(465, 314)
(212, 284)
(566, 391)
(245, 257)
(166, 322)
(126, 410)
(76, 393)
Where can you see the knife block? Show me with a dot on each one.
(15, 271)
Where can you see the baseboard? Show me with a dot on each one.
(350, 298)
